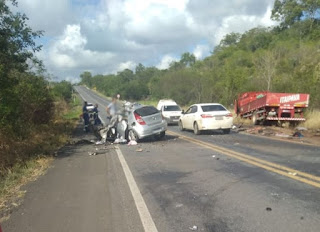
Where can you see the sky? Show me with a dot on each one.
(107, 36)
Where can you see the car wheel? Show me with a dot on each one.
(226, 131)
(181, 126)
(132, 136)
(196, 129)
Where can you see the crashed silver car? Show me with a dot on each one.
(144, 121)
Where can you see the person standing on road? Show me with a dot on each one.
(96, 118)
(85, 115)
(111, 109)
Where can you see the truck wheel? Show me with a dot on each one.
(196, 130)
(254, 119)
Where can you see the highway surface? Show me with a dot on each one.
(211, 182)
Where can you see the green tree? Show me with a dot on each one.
(230, 39)
(187, 59)
(86, 78)
(62, 90)
(17, 44)
(287, 12)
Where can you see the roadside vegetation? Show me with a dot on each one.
(313, 120)
(284, 58)
(36, 115)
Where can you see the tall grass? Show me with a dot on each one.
(312, 120)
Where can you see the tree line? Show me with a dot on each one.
(27, 98)
(284, 58)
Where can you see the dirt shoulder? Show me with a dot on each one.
(297, 135)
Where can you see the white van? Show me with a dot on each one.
(170, 110)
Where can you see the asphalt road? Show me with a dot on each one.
(212, 182)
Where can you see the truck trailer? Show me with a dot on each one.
(265, 106)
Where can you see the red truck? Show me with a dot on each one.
(266, 106)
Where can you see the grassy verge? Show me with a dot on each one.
(40, 147)
(149, 102)
(313, 120)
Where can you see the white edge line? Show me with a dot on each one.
(145, 216)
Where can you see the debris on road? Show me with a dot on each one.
(92, 153)
(256, 130)
(282, 135)
(139, 150)
(236, 144)
(268, 209)
(81, 141)
(298, 134)
(213, 156)
(132, 143)
(120, 141)
(275, 194)
(179, 205)
(100, 142)
(193, 228)
(238, 129)
(300, 128)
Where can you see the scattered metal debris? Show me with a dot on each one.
(120, 141)
(132, 143)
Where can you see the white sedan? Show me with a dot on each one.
(207, 116)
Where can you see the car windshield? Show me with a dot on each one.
(171, 108)
(210, 108)
(147, 110)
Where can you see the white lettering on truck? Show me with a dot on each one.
(290, 98)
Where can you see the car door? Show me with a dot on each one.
(192, 116)
(185, 118)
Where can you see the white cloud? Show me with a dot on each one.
(166, 61)
(105, 36)
(69, 51)
(242, 23)
(50, 16)
(201, 51)
(126, 65)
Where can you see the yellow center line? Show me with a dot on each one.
(276, 168)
